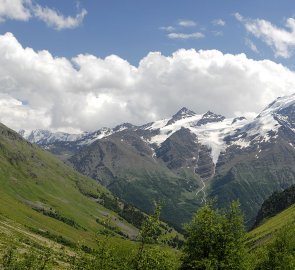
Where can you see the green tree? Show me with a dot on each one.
(215, 240)
(279, 254)
(149, 233)
(148, 256)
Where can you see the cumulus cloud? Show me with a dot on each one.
(195, 35)
(38, 90)
(280, 40)
(187, 23)
(24, 10)
(218, 22)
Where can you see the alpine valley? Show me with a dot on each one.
(186, 159)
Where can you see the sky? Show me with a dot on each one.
(81, 65)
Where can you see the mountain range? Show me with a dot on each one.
(186, 159)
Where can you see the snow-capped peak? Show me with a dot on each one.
(211, 133)
(210, 117)
(211, 129)
(41, 136)
(265, 126)
(279, 104)
(184, 112)
(181, 114)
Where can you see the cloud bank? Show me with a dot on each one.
(38, 90)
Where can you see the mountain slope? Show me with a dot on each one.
(259, 159)
(188, 154)
(275, 204)
(44, 197)
(126, 165)
(271, 227)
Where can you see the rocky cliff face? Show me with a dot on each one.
(172, 159)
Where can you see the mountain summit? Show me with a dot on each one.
(210, 117)
(189, 157)
(181, 114)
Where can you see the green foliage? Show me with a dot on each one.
(110, 229)
(155, 258)
(150, 230)
(110, 202)
(279, 254)
(148, 234)
(276, 203)
(58, 216)
(100, 258)
(30, 260)
(57, 238)
(128, 212)
(132, 215)
(146, 257)
(215, 240)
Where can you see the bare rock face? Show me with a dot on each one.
(181, 114)
(210, 117)
(205, 166)
(179, 150)
(167, 159)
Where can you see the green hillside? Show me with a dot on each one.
(44, 203)
(276, 203)
(272, 226)
(41, 197)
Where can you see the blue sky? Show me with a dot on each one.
(131, 28)
(80, 65)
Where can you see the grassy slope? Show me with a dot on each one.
(269, 228)
(31, 177)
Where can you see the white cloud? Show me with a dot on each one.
(195, 35)
(281, 40)
(24, 10)
(251, 45)
(186, 23)
(217, 33)
(38, 90)
(56, 20)
(218, 22)
(238, 16)
(167, 28)
(15, 10)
